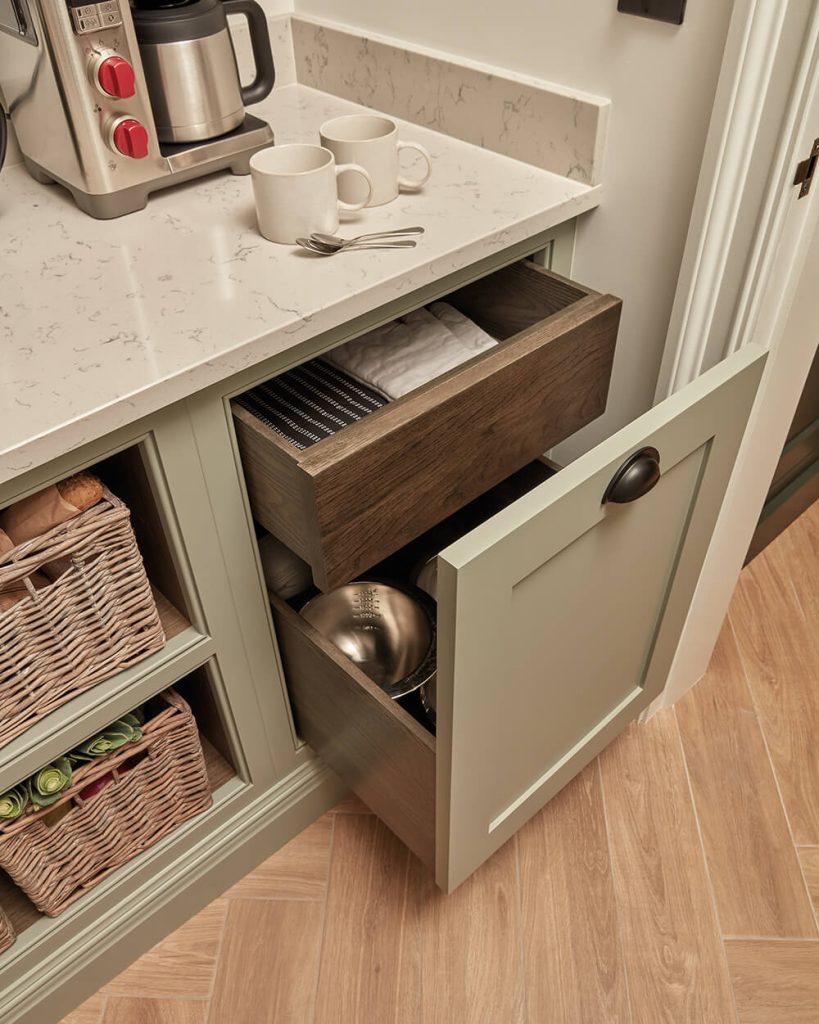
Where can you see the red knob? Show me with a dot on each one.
(131, 138)
(116, 77)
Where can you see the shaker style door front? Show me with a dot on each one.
(559, 617)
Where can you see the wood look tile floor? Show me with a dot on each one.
(675, 880)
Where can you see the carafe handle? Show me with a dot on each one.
(262, 84)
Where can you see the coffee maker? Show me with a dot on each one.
(115, 103)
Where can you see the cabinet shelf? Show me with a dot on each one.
(21, 911)
(185, 650)
(109, 911)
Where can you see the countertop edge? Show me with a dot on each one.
(129, 409)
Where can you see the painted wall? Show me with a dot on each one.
(661, 79)
(277, 6)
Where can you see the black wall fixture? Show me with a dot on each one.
(659, 10)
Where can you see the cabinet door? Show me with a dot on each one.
(559, 617)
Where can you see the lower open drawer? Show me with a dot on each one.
(380, 749)
(382, 753)
(558, 618)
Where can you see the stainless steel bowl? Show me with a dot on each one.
(389, 632)
(426, 577)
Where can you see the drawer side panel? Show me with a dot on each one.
(279, 491)
(382, 753)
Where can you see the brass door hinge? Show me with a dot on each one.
(806, 170)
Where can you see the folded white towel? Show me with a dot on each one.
(474, 337)
(401, 356)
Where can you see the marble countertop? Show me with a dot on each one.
(103, 322)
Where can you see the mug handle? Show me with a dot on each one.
(352, 207)
(413, 186)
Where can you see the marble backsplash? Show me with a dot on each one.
(537, 122)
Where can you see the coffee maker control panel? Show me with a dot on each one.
(113, 75)
(95, 17)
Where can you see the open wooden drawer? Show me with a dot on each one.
(348, 501)
(558, 619)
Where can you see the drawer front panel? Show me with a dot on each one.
(558, 619)
(352, 499)
(382, 753)
(474, 429)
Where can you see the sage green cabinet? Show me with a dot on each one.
(259, 802)
(558, 619)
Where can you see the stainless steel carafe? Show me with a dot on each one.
(190, 65)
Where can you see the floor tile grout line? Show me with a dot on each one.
(103, 1010)
(697, 822)
(217, 962)
(613, 868)
(771, 556)
(705, 864)
(330, 854)
(768, 938)
(807, 846)
(750, 691)
(404, 908)
(521, 936)
(813, 907)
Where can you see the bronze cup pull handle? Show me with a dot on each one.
(637, 476)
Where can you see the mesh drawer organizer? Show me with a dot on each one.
(98, 617)
(311, 402)
(56, 854)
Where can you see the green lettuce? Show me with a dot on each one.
(47, 785)
(125, 730)
(13, 803)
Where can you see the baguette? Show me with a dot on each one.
(33, 516)
(82, 490)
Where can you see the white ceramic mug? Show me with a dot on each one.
(296, 191)
(371, 141)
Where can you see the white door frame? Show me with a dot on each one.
(748, 244)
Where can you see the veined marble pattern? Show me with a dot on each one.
(542, 124)
(103, 322)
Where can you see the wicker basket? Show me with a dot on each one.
(98, 617)
(7, 935)
(164, 783)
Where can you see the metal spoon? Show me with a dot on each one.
(389, 243)
(327, 250)
(350, 248)
(341, 243)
